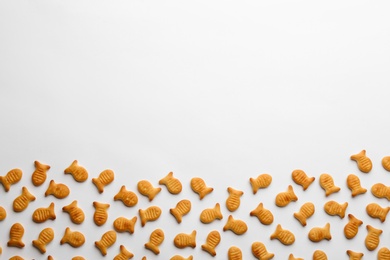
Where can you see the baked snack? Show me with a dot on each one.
(300, 178)
(101, 215)
(327, 183)
(374, 210)
(173, 185)
(42, 214)
(233, 201)
(333, 208)
(234, 253)
(183, 240)
(284, 198)
(319, 255)
(386, 163)
(353, 183)
(124, 254)
(306, 211)
(107, 240)
(317, 234)
(12, 177)
(383, 254)
(150, 214)
(262, 181)
(76, 214)
(155, 240)
(21, 202)
(122, 224)
(39, 175)
(354, 255)
(44, 238)
(363, 162)
(182, 208)
(73, 238)
(128, 197)
(199, 186)
(291, 257)
(372, 238)
(145, 188)
(380, 190)
(352, 227)
(212, 241)
(209, 215)
(16, 233)
(285, 236)
(3, 213)
(105, 177)
(78, 172)
(179, 257)
(237, 226)
(260, 251)
(58, 190)
(264, 215)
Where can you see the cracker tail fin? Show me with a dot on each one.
(218, 211)
(205, 191)
(300, 218)
(343, 209)
(142, 215)
(255, 187)
(98, 184)
(277, 231)
(28, 194)
(153, 193)
(309, 181)
(125, 252)
(65, 237)
(176, 215)
(193, 239)
(49, 190)
(290, 190)
(209, 249)
(51, 211)
(328, 236)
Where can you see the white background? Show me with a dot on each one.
(222, 90)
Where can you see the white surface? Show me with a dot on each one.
(217, 89)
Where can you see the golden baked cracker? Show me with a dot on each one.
(182, 208)
(58, 190)
(372, 238)
(183, 240)
(179, 257)
(319, 255)
(354, 255)
(209, 215)
(144, 258)
(199, 186)
(300, 178)
(16, 257)
(128, 197)
(79, 173)
(122, 224)
(363, 162)
(284, 198)
(260, 251)
(39, 175)
(78, 258)
(383, 254)
(333, 208)
(374, 210)
(353, 183)
(16, 233)
(237, 226)
(234, 253)
(145, 188)
(12, 177)
(317, 234)
(327, 183)
(264, 215)
(262, 181)
(306, 211)
(101, 213)
(212, 241)
(285, 236)
(155, 240)
(73, 238)
(352, 227)
(76, 214)
(42, 214)
(233, 201)
(49, 257)
(124, 254)
(173, 185)
(3, 213)
(44, 238)
(379, 190)
(386, 163)
(105, 177)
(107, 240)
(150, 214)
(21, 202)
(291, 257)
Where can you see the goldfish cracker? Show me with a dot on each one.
(145, 188)
(354, 255)
(16, 233)
(291, 257)
(124, 254)
(76, 214)
(261, 182)
(16, 257)
(183, 240)
(353, 183)
(212, 241)
(319, 255)
(49, 257)
(372, 238)
(107, 240)
(105, 177)
(374, 210)
(284, 198)
(150, 214)
(237, 226)
(12, 177)
(260, 251)
(264, 215)
(352, 227)
(39, 175)
(386, 163)
(21, 202)
(3, 213)
(300, 178)
(122, 224)
(173, 185)
(209, 215)
(317, 234)
(128, 198)
(384, 254)
(285, 236)
(156, 239)
(73, 238)
(42, 214)
(58, 190)
(233, 201)
(78, 258)
(44, 238)
(101, 215)
(79, 173)
(179, 257)
(327, 183)
(379, 190)
(182, 208)
(234, 253)
(306, 211)
(333, 208)
(363, 162)
(199, 186)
